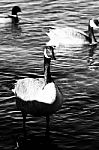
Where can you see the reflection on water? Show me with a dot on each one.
(76, 71)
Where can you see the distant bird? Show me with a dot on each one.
(39, 96)
(70, 36)
(13, 18)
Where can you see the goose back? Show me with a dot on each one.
(30, 89)
(67, 36)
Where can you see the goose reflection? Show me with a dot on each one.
(16, 30)
(91, 60)
(36, 142)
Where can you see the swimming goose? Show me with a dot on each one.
(70, 36)
(39, 96)
(13, 18)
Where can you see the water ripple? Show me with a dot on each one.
(76, 71)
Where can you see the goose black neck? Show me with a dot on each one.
(91, 34)
(15, 20)
(47, 74)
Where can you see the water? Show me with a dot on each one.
(76, 124)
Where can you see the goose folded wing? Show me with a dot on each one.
(35, 89)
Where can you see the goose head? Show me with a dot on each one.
(14, 15)
(15, 10)
(49, 53)
(94, 23)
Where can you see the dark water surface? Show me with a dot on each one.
(76, 70)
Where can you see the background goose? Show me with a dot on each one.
(39, 96)
(13, 18)
(71, 36)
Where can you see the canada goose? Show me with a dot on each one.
(13, 18)
(39, 96)
(70, 36)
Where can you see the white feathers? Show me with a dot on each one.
(30, 89)
(4, 20)
(92, 24)
(66, 36)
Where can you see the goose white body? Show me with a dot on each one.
(4, 20)
(66, 36)
(30, 89)
(70, 36)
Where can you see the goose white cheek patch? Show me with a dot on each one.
(92, 24)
